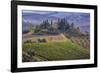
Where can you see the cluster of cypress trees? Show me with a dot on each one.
(62, 25)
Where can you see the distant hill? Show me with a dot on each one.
(79, 19)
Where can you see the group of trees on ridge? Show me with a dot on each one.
(51, 27)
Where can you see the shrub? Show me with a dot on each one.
(41, 40)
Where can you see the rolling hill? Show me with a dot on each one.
(53, 51)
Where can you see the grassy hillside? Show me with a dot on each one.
(51, 51)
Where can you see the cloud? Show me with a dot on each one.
(37, 12)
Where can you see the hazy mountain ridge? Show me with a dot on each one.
(77, 18)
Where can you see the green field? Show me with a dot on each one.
(52, 51)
